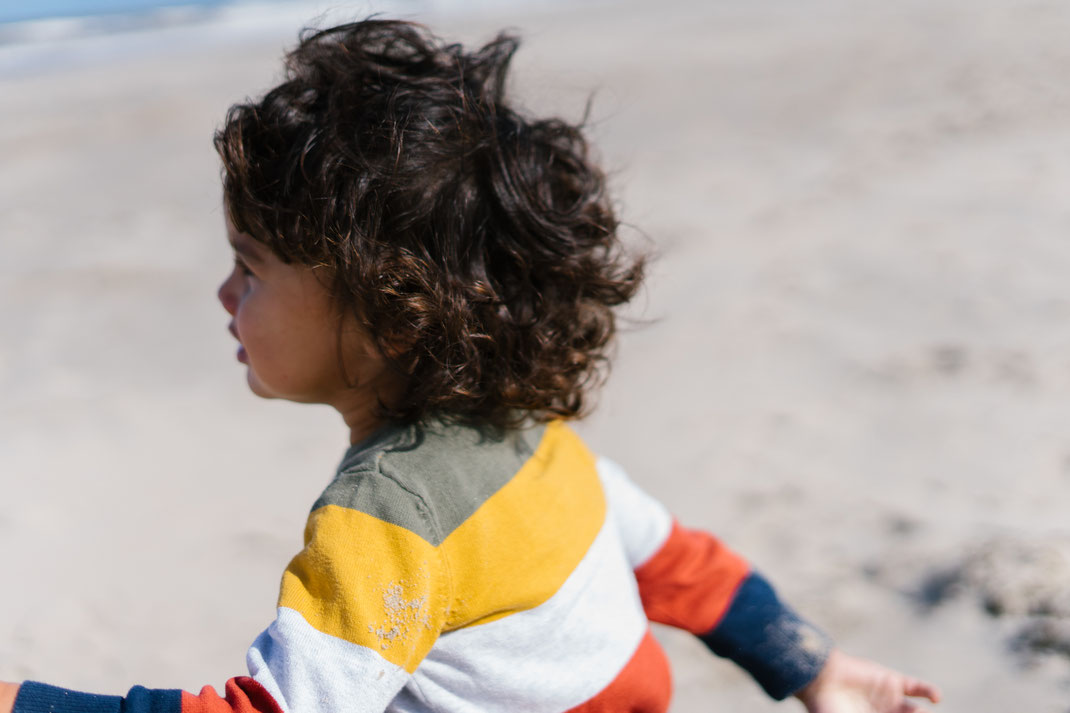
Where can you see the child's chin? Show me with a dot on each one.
(258, 387)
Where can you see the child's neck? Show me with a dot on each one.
(362, 407)
(361, 424)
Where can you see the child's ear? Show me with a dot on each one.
(396, 346)
(392, 350)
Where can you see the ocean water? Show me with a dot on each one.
(53, 22)
(55, 25)
(26, 10)
(44, 36)
(108, 11)
(41, 36)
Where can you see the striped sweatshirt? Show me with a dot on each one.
(451, 570)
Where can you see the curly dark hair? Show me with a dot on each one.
(480, 240)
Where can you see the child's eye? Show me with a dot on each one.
(241, 267)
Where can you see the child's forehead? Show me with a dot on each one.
(243, 243)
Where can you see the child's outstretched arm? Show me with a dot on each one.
(243, 695)
(688, 579)
(850, 685)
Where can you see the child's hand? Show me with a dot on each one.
(8, 691)
(850, 685)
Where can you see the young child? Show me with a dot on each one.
(442, 270)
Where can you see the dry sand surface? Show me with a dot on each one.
(855, 365)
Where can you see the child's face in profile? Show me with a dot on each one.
(291, 337)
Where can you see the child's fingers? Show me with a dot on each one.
(921, 689)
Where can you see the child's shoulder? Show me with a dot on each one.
(429, 478)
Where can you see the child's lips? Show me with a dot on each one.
(242, 357)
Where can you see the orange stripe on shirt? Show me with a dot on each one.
(243, 695)
(690, 581)
(644, 685)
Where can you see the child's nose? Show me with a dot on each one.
(228, 295)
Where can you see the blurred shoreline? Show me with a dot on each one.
(41, 45)
(50, 39)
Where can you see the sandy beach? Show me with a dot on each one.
(852, 359)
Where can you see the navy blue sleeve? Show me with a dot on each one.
(36, 697)
(768, 640)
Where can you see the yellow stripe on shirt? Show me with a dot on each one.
(520, 546)
(369, 582)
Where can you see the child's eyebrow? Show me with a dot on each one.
(246, 247)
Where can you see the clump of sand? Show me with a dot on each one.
(1023, 581)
